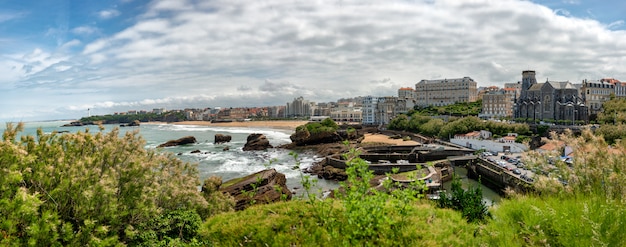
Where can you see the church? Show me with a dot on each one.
(551, 101)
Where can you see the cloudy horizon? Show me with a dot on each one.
(59, 58)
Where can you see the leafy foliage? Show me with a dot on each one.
(437, 127)
(326, 125)
(457, 109)
(91, 189)
(614, 112)
(173, 116)
(468, 202)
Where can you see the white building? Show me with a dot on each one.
(370, 104)
(347, 112)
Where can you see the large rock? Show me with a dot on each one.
(181, 141)
(221, 138)
(263, 187)
(256, 142)
(134, 123)
(304, 137)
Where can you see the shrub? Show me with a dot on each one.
(90, 189)
(468, 202)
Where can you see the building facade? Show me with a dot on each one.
(369, 110)
(299, 107)
(406, 100)
(620, 87)
(386, 109)
(551, 100)
(595, 93)
(346, 112)
(445, 91)
(498, 104)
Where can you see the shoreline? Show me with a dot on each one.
(278, 124)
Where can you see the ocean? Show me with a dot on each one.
(212, 160)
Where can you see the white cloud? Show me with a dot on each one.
(108, 13)
(236, 52)
(84, 30)
(6, 16)
(615, 24)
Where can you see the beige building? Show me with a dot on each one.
(346, 112)
(620, 87)
(497, 104)
(406, 100)
(386, 109)
(445, 91)
(595, 93)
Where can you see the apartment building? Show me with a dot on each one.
(299, 107)
(445, 91)
(346, 112)
(406, 99)
(386, 109)
(595, 93)
(498, 104)
(370, 103)
(620, 87)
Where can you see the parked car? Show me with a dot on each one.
(517, 171)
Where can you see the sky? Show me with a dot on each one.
(59, 58)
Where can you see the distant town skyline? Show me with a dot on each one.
(60, 58)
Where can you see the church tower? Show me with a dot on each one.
(528, 79)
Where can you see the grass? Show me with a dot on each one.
(556, 221)
(296, 223)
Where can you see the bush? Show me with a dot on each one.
(468, 202)
(90, 189)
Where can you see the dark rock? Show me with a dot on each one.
(181, 141)
(220, 138)
(195, 151)
(226, 148)
(256, 142)
(327, 172)
(131, 124)
(304, 137)
(331, 173)
(263, 187)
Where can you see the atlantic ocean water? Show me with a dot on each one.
(212, 160)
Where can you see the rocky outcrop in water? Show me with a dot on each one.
(131, 124)
(263, 187)
(181, 141)
(304, 137)
(221, 138)
(257, 141)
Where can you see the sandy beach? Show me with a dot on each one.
(279, 124)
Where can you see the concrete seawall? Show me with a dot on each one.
(496, 177)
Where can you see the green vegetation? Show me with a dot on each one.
(613, 112)
(174, 116)
(326, 125)
(468, 202)
(101, 189)
(97, 189)
(436, 127)
(457, 109)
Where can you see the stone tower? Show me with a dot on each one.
(528, 79)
